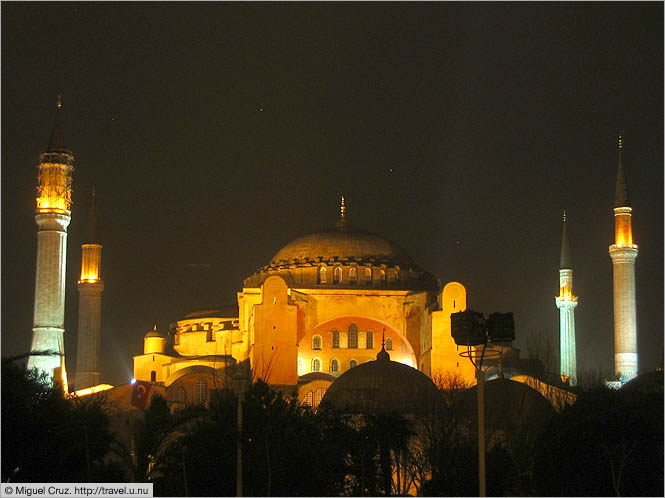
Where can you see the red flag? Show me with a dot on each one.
(141, 394)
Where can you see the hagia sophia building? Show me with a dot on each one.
(325, 303)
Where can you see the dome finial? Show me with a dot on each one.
(341, 223)
(59, 103)
(564, 215)
(383, 354)
(620, 140)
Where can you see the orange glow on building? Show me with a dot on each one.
(623, 232)
(54, 192)
(566, 294)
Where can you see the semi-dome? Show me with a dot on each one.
(382, 386)
(342, 245)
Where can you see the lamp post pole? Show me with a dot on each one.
(240, 384)
(481, 431)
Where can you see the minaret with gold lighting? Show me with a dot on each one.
(53, 214)
(90, 287)
(566, 302)
(623, 253)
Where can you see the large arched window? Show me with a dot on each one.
(334, 366)
(321, 278)
(335, 341)
(337, 275)
(201, 392)
(153, 376)
(316, 342)
(353, 336)
(353, 275)
(389, 344)
(369, 340)
(316, 365)
(352, 363)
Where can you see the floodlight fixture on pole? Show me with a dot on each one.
(470, 329)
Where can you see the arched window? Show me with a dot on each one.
(318, 396)
(353, 275)
(353, 336)
(334, 366)
(316, 342)
(321, 279)
(201, 392)
(335, 341)
(368, 275)
(369, 340)
(337, 275)
(153, 376)
(316, 365)
(352, 363)
(382, 277)
(180, 395)
(389, 344)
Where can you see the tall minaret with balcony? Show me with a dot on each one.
(566, 302)
(623, 253)
(54, 199)
(90, 287)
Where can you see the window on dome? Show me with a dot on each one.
(369, 340)
(322, 275)
(368, 275)
(353, 336)
(352, 363)
(316, 365)
(335, 341)
(337, 275)
(316, 342)
(353, 275)
(334, 366)
(382, 277)
(201, 392)
(389, 344)
(153, 376)
(210, 336)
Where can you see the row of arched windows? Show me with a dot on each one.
(317, 341)
(322, 276)
(334, 365)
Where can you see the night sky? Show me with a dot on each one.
(215, 133)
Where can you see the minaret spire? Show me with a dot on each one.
(566, 302)
(90, 287)
(566, 260)
(623, 253)
(53, 214)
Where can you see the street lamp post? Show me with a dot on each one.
(470, 329)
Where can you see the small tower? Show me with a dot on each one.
(566, 302)
(53, 214)
(623, 253)
(90, 287)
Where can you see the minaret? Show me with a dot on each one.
(623, 253)
(90, 288)
(54, 199)
(566, 302)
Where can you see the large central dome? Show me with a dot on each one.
(337, 245)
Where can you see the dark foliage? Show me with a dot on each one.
(48, 438)
(609, 443)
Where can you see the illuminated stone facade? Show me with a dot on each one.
(623, 253)
(321, 306)
(53, 216)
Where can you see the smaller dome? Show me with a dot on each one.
(154, 333)
(382, 386)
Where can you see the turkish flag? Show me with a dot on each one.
(141, 394)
